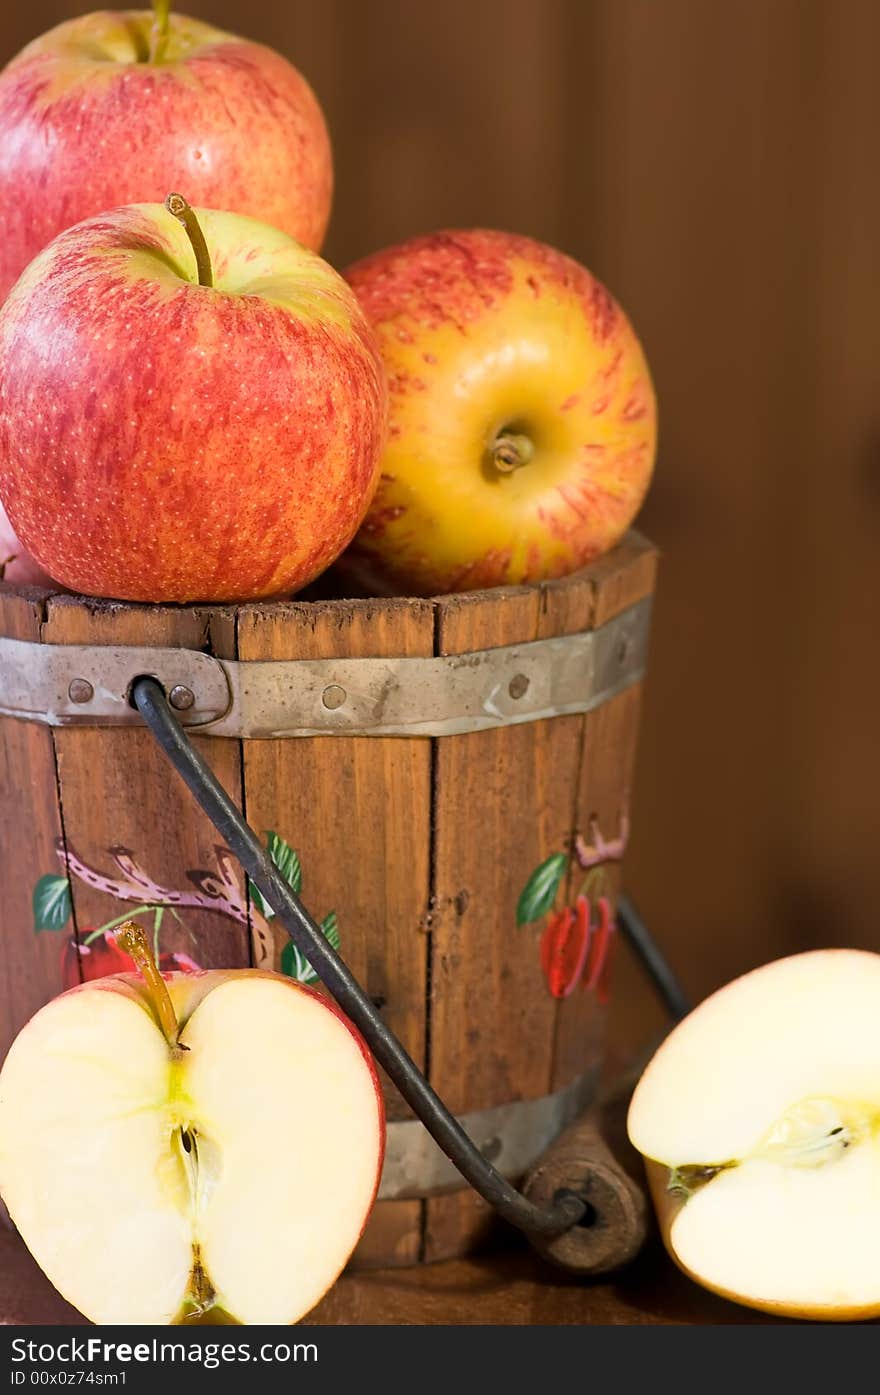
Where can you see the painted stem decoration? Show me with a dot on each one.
(219, 893)
(94, 952)
(597, 852)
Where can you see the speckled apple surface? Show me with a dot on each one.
(485, 333)
(162, 440)
(87, 123)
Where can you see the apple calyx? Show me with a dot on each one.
(178, 207)
(201, 1296)
(510, 451)
(684, 1181)
(131, 939)
(159, 30)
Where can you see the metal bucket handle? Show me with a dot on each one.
(562, 1223)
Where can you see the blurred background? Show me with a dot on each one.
(715, 165)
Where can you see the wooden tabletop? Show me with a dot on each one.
(499, 1290)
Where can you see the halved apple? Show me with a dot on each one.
(206, 1153)
(759, 1120)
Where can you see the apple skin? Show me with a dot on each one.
(484, 331)
(85, 126)
(16, 564)
(166, 441)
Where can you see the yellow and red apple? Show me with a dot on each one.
(522, 414)
(121, 106)
(190, 1147)
(175, 434)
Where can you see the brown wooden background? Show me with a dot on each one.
(716, 165)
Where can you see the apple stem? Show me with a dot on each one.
(179, 208)
(131, 938)
(510, 452)
(159, 30)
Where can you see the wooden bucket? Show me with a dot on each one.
(421, 843)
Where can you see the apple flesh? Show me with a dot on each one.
(165, 440)
(88, 122)
(759, 1119)
(522, 416)
(228, 1172)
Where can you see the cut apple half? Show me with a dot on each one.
(222, 1175)
(759, 1120)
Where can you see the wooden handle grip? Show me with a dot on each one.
(615, 1225)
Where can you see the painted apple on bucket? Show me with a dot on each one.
(97, 955)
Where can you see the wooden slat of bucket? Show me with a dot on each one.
(118, 791)
(504, 801)
(603, 788)
(358, 812)
(29, 828)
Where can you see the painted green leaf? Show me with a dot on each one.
(290, 960)
(259, 901)
(287, 862)
(52, 904)
(330, 927)
(540, 890)
(295, 965)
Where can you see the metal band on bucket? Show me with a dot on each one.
(90, 685)
(511, 1136)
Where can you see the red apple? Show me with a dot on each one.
(167, 439)
(105, 110)
(16, 563)
(523, 421)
